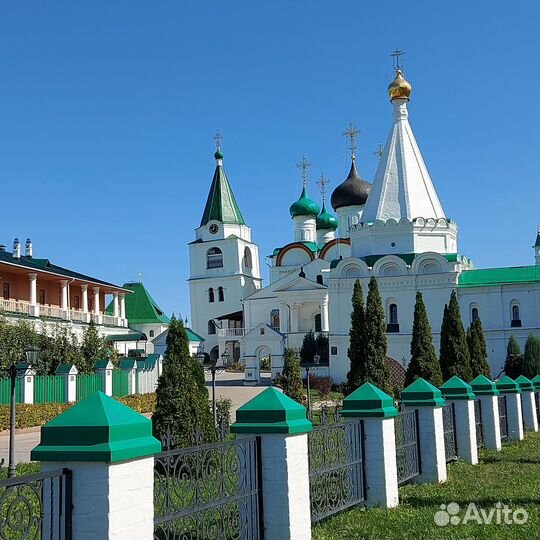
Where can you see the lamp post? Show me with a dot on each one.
(212, 368)
(307, 366)
(16, 371)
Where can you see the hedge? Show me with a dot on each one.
(40, 413)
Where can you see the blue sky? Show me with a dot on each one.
(108, 112)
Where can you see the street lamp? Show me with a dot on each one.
(212, 368)
(307, 366)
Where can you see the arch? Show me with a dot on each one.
(329, 245)
(429, 263)
(393, 314)
(248, 260)
(515, 314)
(295, 246)
(211, 295)
(390, 265)
(474, 311)
(214, 353)
(211, 327)
(392, 317)
(320, 279)
(214, 258)
(317, 323)
(221, 294)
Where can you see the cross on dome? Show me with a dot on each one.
(395, 59)
(351, 132)
(217, 138)
(304, 165)
(323, 182)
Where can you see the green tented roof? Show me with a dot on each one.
(193, 336)
(140, 306)
(221, 204)
(497, 276)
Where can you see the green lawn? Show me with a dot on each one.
(511, 476)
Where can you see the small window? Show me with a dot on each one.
(214, 258)
(248, 262)
(318, 325)
(393, 314)
(151, 333)
(474, 314)
(274, 319)
(210, 295)
(211, 327)
(333, 351)
(320, 279)
(221, 294)
(6, 292)
(515, 313)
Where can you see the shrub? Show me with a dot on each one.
(237, 367)
(265, 364)
(323, 385)
(291, 377)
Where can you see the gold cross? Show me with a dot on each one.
(218, 138)
(396, 54)
(304, 165)
(351, 132)
(323, 182)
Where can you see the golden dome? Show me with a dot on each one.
(399, 88)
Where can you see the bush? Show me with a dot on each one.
(223, 416)
(141, 403)
(291, 377)
(237, 367)
(323, 385)
(265, 364)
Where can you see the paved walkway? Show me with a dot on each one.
(228, 385)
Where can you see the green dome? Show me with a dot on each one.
(325, 220)
(218, 154)
(304, 206)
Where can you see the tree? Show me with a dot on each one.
(356, 352)
(291, 377)
(531, 357)
(182, 404)
(93, 348)
(309, 348)
(513, 365)
(424, 362)
(476, 342)
(323, 348)
(376, 370)
(454, 355)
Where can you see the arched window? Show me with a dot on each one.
(274, 319)
(474, 314)
(248, 263)
(211, 327)
(393, 324)
(214, 258)
(320, 279)
(151, 333)
(210, 294)
(516, 315)
(221, 294)
(318, 325)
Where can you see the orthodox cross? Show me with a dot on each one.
(140, 277)
(379, 151)
(395, 59)
(351, 132)
(218, 138)
(304, 165)
(323, 182)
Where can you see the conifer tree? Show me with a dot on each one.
(93, 348)
(376, 370)
(531, 357)
(356, 352)
(476, 342)
(454, 356)
(513, 365)
(182, 398)
(309, 348)
(424, 362)
(291, 377)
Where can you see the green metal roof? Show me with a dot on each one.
(408, 258)
(486, 277)
(193, 336)
(221, 204)
(133, 336)
(140, 306)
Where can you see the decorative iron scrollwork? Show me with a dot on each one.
(407, 448)
(449, 429)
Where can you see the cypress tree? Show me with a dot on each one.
(531, 357)
(356, 352)
(513, 365)
(182, 398)
(309, 348)
(454, 356)
(291, 377)
(424, 362)
(376, 370)
(476, 342)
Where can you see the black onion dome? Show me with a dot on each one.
(352, 192)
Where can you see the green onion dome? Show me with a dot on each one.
(325, 220)
(218, 154)
(304, 206)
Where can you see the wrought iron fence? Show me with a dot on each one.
(449, 429)
(336, 469)
(209, 491)
(407, 446)
(478, 422)
(503, 419)
(36, 507)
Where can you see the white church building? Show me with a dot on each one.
(394, 229)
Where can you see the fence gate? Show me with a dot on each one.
(209, 491)
(407, 446)
(36, 507)
(449, 428)
(336, 472)
(503, 420)
(478, 422)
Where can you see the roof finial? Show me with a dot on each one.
(140, 277)
(351, 132)
(323, 182)
(304, 165)
(395, 59)
(379, 151)
(218, 154)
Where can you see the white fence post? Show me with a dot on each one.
(69, 372)
(514, 416)
(487, 393)
(28, 378)
(104, 369)
(528, 404)
(428, 400)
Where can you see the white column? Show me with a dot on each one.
(96, 300)
(514, 417)
(465, 430)
(283, 316)
(295, 317)
(84, 290)
(116, 309)
(34, 307)
(324, 315)
(528, 406)
(122, 297)
(106, 379)
(490, 421)
(64, 284)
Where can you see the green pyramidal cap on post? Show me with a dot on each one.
(271, 412)
(536, 382)
(525, 384)
(370, 402)
(482, 386)
(98, 428)
(506, 385)
(421, 394)
(457, 389)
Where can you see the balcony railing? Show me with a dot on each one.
(15, 306)
(108, 319)
(51, 311)
(78, 315)
(232, 332)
